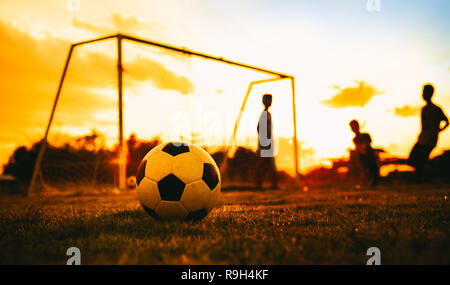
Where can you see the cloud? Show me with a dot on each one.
(307, 152)
(119, 24)
(147, 69)
(357, 96)
(140, 69)
(130, 23)
(407, 111)
(30, 72)
(96, 70)
(89, 27)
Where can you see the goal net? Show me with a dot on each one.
(167, 96)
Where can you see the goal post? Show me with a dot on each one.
(241, 111)
(122, 153)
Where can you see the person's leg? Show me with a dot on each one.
(417, 160)
(258, 173)
(412, 159)
(426, 155)
(367, 178)
(266, 170)
(361, 171)
(423, 153)
(273, 169)
(375, 175)
(366, 171)
(419, 173)
(374, 171)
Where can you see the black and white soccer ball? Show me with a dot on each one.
(178, 181)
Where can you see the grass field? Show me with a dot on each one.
(409, 224)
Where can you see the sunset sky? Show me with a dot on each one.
(348, 63)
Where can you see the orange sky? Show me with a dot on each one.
(348, 63)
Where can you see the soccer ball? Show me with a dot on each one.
(178, 181)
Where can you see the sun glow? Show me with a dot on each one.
(175, 96)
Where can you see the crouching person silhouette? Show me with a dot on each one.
(366, 158)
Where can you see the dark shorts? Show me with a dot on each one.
(266, 164)
(419, 155)
(369, 165)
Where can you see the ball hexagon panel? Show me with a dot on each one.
(148, 193)
(188, 167)
(150, 212)
(159, 165)
(210, 175)
(171, 188)
(196, 196)
(175, 148)
(170, 210)
(202, 154)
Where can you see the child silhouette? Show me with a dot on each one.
(431, 118)
(266, 163)
(365, 155)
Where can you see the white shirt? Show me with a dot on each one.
(265, 138)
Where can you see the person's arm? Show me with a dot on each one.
(269, 125)
(355, 142)
(445, 119)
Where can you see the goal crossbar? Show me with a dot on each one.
(122, 155)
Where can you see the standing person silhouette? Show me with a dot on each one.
(365, 155)
(431, 118)
(266, 163)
